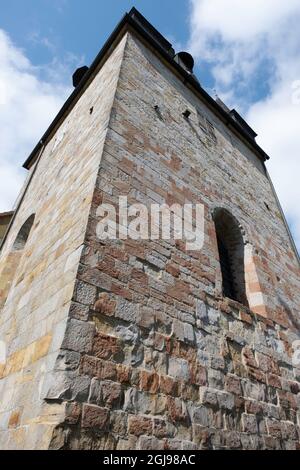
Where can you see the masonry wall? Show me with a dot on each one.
(129, 344)
(171, 363)
(38, 282)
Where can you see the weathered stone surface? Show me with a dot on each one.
(60, 196)
(177, 410)
(111, 393)
(208, 397)
(198, 375)
(67, 386)
(162, 428)
(139, 425)
(231, 439)
(226, 400)
(249, 423)
(201, 310)
(123, 373)
(118, 423)
(79, 311)
(149, 382)
(254, 390)
(68, 360)
(130, 344)
(105, 305)
(79, 336)
(95, 392)
(179, 369)
(168, 385)
(106, 347)
(130, 400)
(73, 413)
(233, 385)
(151, 443)
(95, 417)
(85, 293)
(202, 416)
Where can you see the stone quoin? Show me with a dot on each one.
(144, 344)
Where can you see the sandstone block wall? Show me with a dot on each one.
(39, 280)
(147, 353)
(165, 362)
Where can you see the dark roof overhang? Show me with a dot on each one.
(6, 214)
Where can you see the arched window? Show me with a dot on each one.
(231, 254)
(23, 234)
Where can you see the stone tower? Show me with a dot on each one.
(130, 344)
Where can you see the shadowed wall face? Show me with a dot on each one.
(231, 256)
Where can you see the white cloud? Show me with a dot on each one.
(277, 119)
(28, 103)
(252, 48)
(238, 20)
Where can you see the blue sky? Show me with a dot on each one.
(251, 58)
(76, 29)
(81, 27)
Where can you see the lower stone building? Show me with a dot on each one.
(146, 344)
(5, 218)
